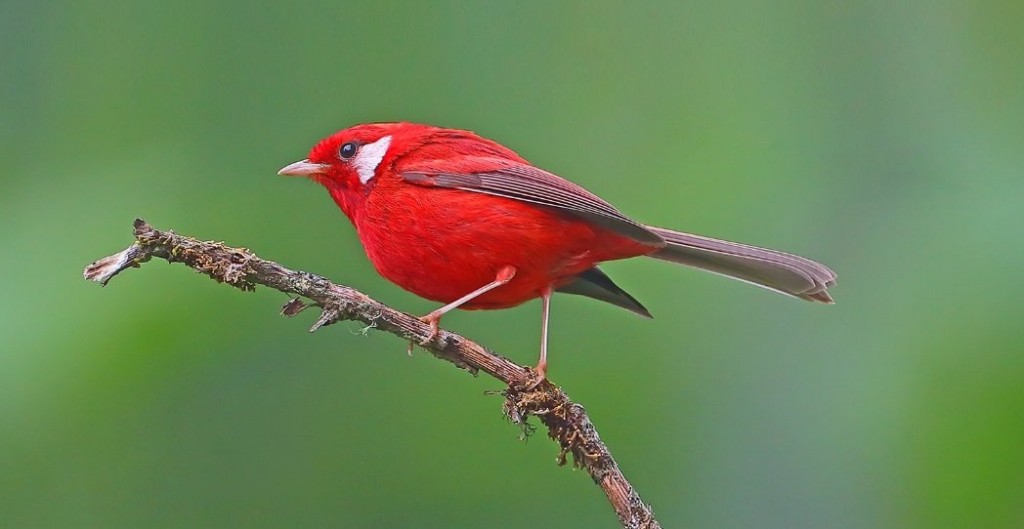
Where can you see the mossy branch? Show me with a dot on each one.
(566, 421)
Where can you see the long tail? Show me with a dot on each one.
(782, 272)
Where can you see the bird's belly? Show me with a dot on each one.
(444, 244)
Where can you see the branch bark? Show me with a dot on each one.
(566, 421)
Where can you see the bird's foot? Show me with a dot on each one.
(541, 376)
(434, 320)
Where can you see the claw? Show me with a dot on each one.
(542, 376)
(434, 320)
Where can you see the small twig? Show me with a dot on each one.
(566, 421)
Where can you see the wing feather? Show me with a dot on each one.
(779, 271)
(526, 183)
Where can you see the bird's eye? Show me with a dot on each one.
(347, 151)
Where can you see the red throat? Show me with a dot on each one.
(347, 198)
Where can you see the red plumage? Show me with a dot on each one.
(459, 219)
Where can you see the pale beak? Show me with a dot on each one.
(303, 168)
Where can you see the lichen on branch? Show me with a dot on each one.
(566, 421)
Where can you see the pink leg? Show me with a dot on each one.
(434, 318)
(542, 364)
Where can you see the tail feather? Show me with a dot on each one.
(778, 271)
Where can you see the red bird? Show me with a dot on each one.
(459, 219)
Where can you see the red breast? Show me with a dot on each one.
(442, 243)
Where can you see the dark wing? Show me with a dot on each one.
(593, 283)
(771, 269)
(526, 183)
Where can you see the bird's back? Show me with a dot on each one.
(442, 243)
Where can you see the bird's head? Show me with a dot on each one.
(348, 159)
(352, 162)
(349, 162)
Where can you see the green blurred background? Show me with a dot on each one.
(884, 139)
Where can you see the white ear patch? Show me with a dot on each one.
(369, 157)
